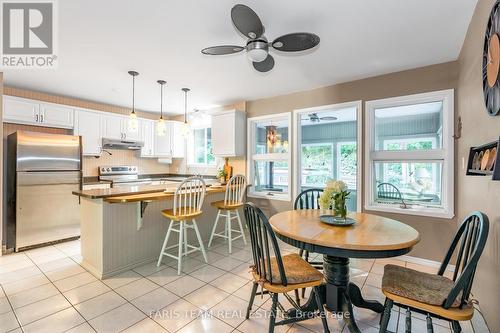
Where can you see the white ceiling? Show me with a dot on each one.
(99, 41)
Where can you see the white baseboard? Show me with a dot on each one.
(427, 262)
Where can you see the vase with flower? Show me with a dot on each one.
(334, 197)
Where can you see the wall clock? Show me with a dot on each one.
(491, 62)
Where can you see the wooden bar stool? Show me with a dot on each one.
(228, 208)
(188, 199)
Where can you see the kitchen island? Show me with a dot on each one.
(122, 228)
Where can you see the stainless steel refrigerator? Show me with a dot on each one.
(42, 171)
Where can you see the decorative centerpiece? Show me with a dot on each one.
(221, 175)
(334, 197)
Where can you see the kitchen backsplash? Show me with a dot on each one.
(123, 157)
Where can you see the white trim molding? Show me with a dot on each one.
(444, 155)
(297, 139)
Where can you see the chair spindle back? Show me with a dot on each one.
(189, 196)
(235, 189)
(264, 244)
(308, 199)
(471, 235)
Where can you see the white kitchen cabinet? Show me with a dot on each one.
(55, 115)
(147, 136)
(228, 133)
(116, 127)
(88, 124)
(31, 112)
(163, 144)
(177, 140)
(20, 111)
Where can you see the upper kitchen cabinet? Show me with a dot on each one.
(30, 112)
(177, 140)
(54, 115)
(115, 126)
(88, 125)
(228, 133)
(147, 128)
(163, 143)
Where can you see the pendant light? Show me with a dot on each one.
(133, 122)
(161, 128)
(185, 126)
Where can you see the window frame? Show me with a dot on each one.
(191, 151)
(269, 157)
(446, 154)
(297, 138)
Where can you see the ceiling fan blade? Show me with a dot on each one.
(266, 65)
(246, 21)
(294, 42)
(222, 49)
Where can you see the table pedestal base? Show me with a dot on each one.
(338, 294)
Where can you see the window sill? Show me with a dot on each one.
(430, 212)
(208, 166)
(278, 197)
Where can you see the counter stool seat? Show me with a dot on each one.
(182, 213)
(226, 206)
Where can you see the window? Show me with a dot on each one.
(317, 164)
(200, 147)
(410, 156)
(327, 147)
(269, 156)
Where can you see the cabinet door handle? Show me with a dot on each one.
(36, 117)
(41, 118)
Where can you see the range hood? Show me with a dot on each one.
(121, 144)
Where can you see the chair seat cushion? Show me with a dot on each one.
(297, 270)
(418, 286)
(229, 206)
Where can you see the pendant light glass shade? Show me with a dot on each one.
(161, 127)
(185, 126)
(133, 122)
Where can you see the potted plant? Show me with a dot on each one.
(221, 175)
(335, 197)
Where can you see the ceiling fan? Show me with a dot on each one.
(314, 118)
(257, 47)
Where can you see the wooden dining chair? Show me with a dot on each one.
(433, 294)
(278, 274)
(308, 199)
(188, 199)
(228, 208)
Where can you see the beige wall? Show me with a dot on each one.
(90, 164)
(435, 233)
(479, 193)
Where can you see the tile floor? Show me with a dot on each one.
(46, 290)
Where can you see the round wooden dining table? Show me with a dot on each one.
(371, 236)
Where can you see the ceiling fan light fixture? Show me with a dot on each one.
(257, 51)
